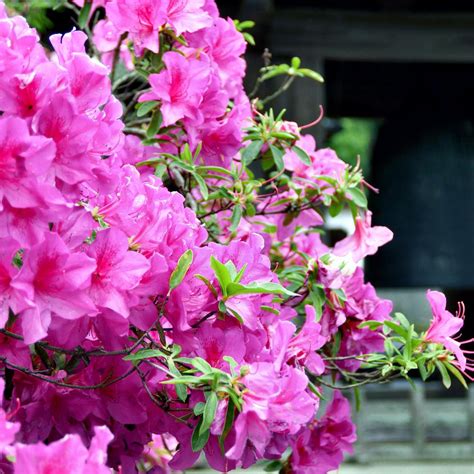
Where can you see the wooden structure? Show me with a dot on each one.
(397, 423)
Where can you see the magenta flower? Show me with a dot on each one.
(24, 163)
(72, 133)
(186, 15)
(302, 347)
(9, 297)
(225, 46)
(66, 455)
(180, 87)
(118, 270)
(443, 326)
(87, 78)
(320, 448)
(365, 240)
(8, 430)
(106, 39)
(54, 280)
(274, 403)
(141, 18)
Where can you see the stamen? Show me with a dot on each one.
(461, 312)
(315, 122)
(368, 185)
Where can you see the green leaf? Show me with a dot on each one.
(277, 157)
(232, 396)
(239, 275)
(270, 309)
(209, 413)
(244, 25)
(236, 217)
(184, 380)
(180, 390)
(456, 373)
(202, 186)
(422, 369)
(444, 373)
(396, 328)
(251, 152)
(336, 208)
(249, 38)
(311, 74)
(181, 269)
(216, 169)
(295, 62)
(273, 466)
(236, 315)
(202, 365)
(232, 362)
(199, 440)
(176, 350)
(407, 350)
(144, 354)
(302, 155)
(318, 299)
(273, 71)
(186, 154)
(184, 166)
(144, 108)
(209, 285)
(222, 274)
(372, 325)
(160, 170)
(284, 136)
(199, 408)
(403, 320)
(229, 419)
(155, 124)
(84, 15)
(358, 197)
(269, 288)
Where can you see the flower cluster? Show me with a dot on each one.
(158, 300)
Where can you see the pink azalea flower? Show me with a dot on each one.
(118, 270)
(180, 87)
(88, 79)
(159, 452)
(66, 455)
(319, 448)
(25, 94)
(274, 403)
(8, 430)
(29, 224)
(24, 163)
(362, 304)
(443, 326)
(302, 347)
(224, 45)
(141, 18)
(54, 280)
(186, 15)
(106, 39)
(213, 342)
(20, 51)
(365, 240)
(9, 297)
(72, 133)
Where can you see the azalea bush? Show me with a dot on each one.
(167, 287)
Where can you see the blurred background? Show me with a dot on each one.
(399, 94)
